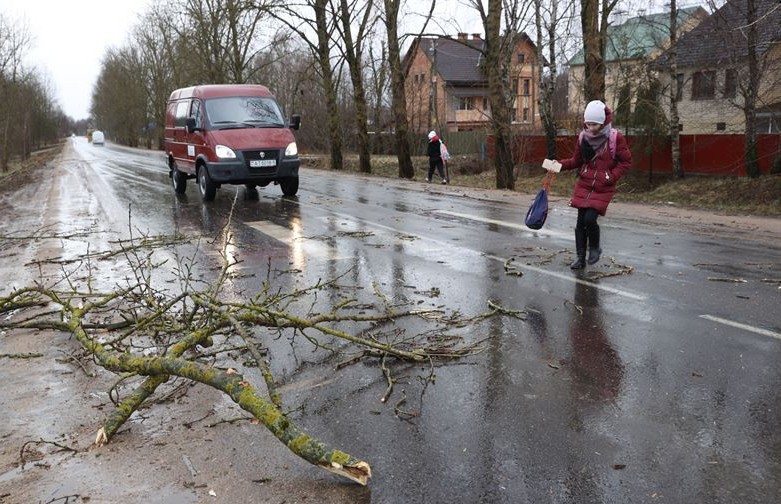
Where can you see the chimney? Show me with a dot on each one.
(461, 36)
(475, 36)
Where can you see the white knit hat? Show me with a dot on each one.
(432, 134)
(595, 112)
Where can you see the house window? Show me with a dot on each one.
(704, 85)
(515, 86)
(730, 83)
(526, 114)
(514, 115)
(720, 126)
(526, 87)
(679, 87)
(465, 103)
(521, 58)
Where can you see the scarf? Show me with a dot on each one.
(594, 142)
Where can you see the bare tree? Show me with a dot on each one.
(222, 36)
(594, 23)
(496, 58)
(353, 54)
(675, 135)
(313, 21)
(398, 91)
(548, 20)
(154, 39)
(15, 41)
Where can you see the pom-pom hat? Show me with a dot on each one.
(432, 134)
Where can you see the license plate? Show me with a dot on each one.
(259, 163)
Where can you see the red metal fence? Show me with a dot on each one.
(701, 154)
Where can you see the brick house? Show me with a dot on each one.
(448, 91)
(631, 48)
(713, 70)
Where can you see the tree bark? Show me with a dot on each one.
(675, 134)
(324, 60)
(398, 92)
(752, 91)
(500, 116)
(354, 56)
(547, 82)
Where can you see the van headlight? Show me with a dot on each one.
(224, 152)
(292, 149)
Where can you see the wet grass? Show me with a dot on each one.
(730, 195)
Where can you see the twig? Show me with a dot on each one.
(388, 378)
(43, 441)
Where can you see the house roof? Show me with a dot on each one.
(458, 61)
(720, 39)
(640, 36)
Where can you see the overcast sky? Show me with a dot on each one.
(69, 40)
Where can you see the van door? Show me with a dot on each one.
(183, 154)
(196, 141)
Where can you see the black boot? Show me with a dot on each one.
(593, 245)
(580, 249)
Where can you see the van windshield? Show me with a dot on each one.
(244, 112)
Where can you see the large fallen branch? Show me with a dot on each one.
(142, 331)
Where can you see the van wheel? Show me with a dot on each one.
(289, 186)
(178, 180)
(206, 186)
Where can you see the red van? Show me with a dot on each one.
(230, 134)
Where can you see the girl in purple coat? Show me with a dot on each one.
(600, 162)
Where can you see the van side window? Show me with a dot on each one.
(197, 113)
(182, 111)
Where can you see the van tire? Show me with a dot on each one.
(289, 185)
(178, 180)
(206, 186)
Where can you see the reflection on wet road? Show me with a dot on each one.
(648, 382)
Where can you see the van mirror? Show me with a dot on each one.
(295, 121)
(190, 124)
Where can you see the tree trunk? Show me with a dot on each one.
(398, 92)
(353, 54)
(675, 135)
(752, 90)
(324, 60)
(547, 82)
(594, 81)
(500, 116)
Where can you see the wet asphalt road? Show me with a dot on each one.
(659, 385)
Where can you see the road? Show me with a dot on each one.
(651, 377)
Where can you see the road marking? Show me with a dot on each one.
(745, 327)
(570, 278)
(448, 245)
(513, 225)
(301, 247)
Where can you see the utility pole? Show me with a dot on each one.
(433, 105)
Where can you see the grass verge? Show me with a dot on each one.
(729, 195)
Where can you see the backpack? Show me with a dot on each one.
(611, 141)
(443, 151)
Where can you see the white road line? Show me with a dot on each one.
(745, 327)
(513, 225)
(279, 233)
(561, 276)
